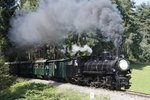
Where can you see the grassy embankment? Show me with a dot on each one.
(140, 78)
(36, 91)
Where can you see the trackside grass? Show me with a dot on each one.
(37, 91)
(140, 78)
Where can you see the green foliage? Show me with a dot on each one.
(5, 79)
(37, 91)
(130, 32)
(7, 10)
(140, 78)
(136, 24)
(3, 69)
(27, 91)
(6, 13)
(29, 4)
(143, 13)
(135, 46)
(6, 3)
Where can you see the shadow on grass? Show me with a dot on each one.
(6, 81)
(138, 66)
(20, 90)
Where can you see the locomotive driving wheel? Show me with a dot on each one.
(107, 82)
(96, 83)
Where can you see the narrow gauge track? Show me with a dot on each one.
(138, 94)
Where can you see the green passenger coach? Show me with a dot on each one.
(50, 68)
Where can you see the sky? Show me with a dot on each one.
(140, 1)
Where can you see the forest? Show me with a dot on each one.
(135, 44)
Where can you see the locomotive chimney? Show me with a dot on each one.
(117, 51)
(118, 44)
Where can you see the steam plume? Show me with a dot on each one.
(53, 19)
(76, 48)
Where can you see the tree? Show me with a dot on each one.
(29, 4)
(7, 10)
(143, 14)
(132, 37)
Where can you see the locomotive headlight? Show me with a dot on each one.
(123, 64)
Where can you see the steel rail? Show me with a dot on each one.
(138, 94)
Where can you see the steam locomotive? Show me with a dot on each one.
(105, 71)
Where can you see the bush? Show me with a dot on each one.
(4, 69)
(38, 91)
(5, 79)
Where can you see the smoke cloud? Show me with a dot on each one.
(76, 49)
(53, 19)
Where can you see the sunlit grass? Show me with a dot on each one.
(140, 78)
(37, 91)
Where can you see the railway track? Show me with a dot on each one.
(138, 94)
